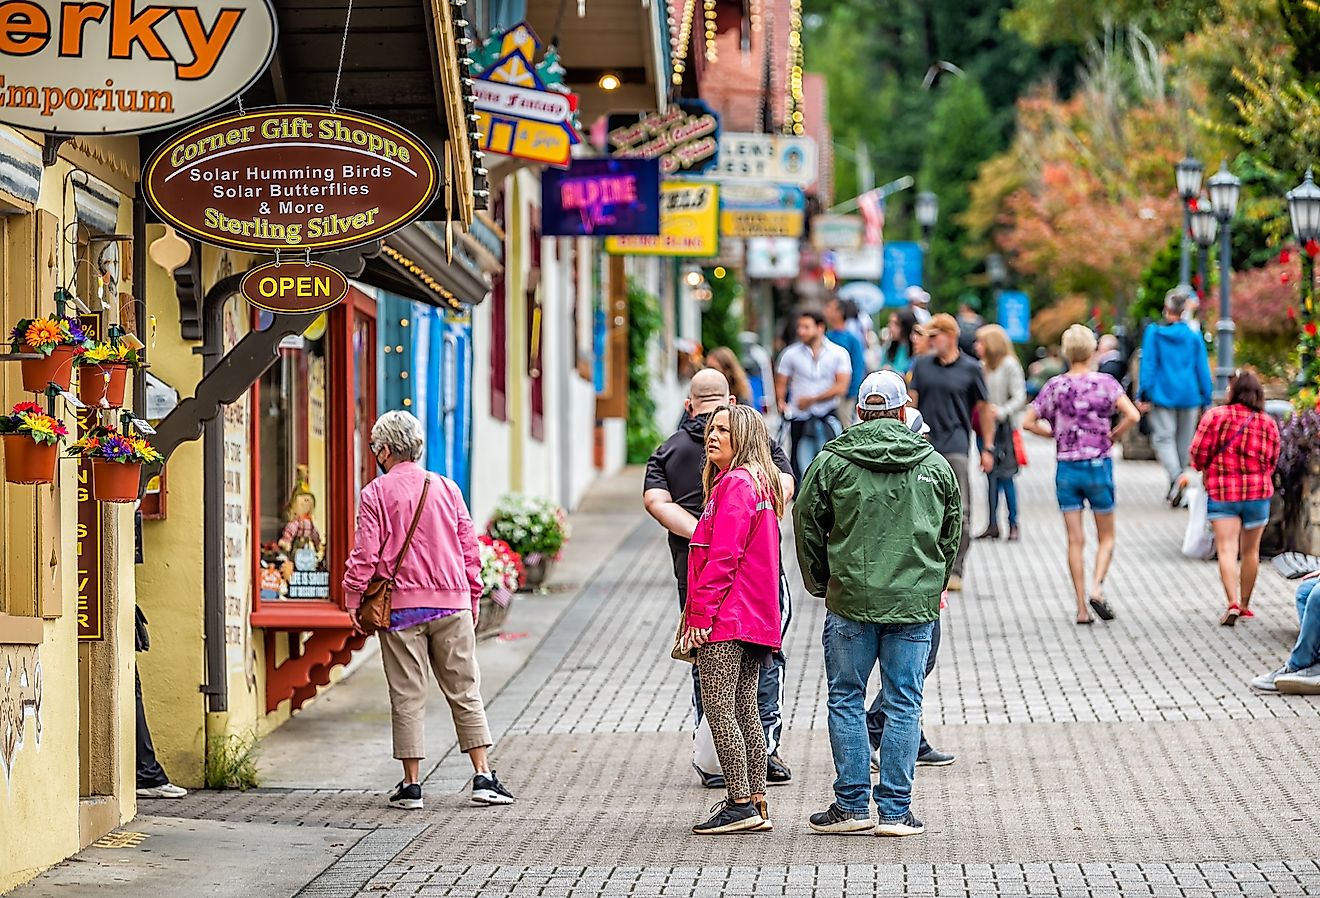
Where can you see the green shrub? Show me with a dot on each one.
(231, 761)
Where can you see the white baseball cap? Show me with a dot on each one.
(915, 422)
(917, 295)
(882, 391)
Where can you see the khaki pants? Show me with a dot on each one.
(449, 644)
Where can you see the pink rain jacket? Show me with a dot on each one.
(443, 566)
(733, 564)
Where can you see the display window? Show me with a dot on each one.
(312, 416)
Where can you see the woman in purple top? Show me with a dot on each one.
(1076, 409)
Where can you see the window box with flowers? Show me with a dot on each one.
(117, 459)
(501, 576)
(56, 341)
(533, 527)
(103, 372)
(32, 441)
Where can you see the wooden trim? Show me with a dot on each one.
(612, 402)
(19, 630)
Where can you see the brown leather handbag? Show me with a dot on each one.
(374, 613)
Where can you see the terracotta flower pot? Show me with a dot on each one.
(102, 382)
(27, 461)
(114, 481)
(55, 368)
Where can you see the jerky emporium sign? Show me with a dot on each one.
(124, 66)
(686, 139)
(291, 178)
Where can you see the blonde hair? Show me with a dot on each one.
(750, 442)
(1078, 343)
(723, 360)
(997, 346)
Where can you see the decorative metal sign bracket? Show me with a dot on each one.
(50, 149)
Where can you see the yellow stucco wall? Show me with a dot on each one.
(40, 804)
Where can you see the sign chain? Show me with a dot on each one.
(343, 46)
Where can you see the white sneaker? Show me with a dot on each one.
(1265, 682)
(1299, 682)
(169, 790)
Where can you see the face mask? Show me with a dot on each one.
(379, 465)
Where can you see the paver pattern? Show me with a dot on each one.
(1128, 758)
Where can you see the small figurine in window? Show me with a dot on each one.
(300, 537)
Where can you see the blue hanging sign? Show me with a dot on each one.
(903, 263)
(1015, 315)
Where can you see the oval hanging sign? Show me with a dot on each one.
(122, 66)
(291, 177)
(294, 287)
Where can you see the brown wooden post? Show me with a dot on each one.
(613, 401)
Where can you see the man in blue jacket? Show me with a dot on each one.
(1174, 386)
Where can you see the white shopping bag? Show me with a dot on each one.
(1198, 541)
(703, 750)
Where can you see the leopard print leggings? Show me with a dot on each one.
(730, 678)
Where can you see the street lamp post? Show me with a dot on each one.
(1304, 210)
(928, 212)
(997, 271)
(1225, 189)
(1204, 227)
(1187, 175)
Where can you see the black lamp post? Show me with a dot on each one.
(1205, 227)
(997, 270)
(1304, 210)
(928, 212)
(1225, 189)
(1187, 175)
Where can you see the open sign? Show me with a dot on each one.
(294, 287)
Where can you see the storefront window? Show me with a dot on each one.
(293, 415)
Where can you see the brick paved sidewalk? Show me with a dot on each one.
(1128, 758)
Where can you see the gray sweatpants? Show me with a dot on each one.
(960, 462)
(1171, 432)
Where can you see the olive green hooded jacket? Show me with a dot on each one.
(877, 523)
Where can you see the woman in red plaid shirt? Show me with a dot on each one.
(1237, 447)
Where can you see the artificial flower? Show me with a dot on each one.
(1312, 247)
(43, 333)
(27, 407)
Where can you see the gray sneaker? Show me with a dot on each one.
(1299, 682)
(1265, 682)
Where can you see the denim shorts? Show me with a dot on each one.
(1081, 483)
(1255, 513)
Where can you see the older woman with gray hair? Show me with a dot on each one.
(434, 605)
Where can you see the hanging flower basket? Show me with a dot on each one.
(115, 481)
(32, 442)
(57, 340)
(501, 574)
(117, 460)
(102, 386)
(535, 528)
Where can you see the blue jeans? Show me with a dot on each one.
(1006, 487)
(807, 437)
(852, 649)
(1307, 651)
(875, 715)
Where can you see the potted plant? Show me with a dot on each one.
(535, 528)
(117, 460)
(32, 439)
(103, 372)
(56, 340)
(501, 577)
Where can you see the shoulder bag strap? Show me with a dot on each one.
(417, 517)
(1230, 441)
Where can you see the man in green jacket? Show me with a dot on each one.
(878, 519)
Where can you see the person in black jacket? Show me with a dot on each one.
(673, 495)
(152, 781)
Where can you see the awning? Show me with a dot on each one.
(413, 263)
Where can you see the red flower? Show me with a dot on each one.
(1292, 313)
(1285, 257)
(1312, 247)
(1193, 204)
(1309, 328)
(1284, 278)
(27, 407)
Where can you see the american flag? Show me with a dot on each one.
(872, 206)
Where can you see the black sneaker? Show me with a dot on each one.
(728, 817)
(777, 772)
(836, 820)
(710, 780)
(409, 797)
(934, 758)
(489, 790)
(908, 826)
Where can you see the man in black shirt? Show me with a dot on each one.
(945, 387)
(673, 496)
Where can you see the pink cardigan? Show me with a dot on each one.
(442, 568)
(733, 564)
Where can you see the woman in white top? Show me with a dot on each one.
(1006, 383)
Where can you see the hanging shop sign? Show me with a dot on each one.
(837, 231)
(601, 197)
(776, 158)
(762, 210)
(119, 67)
(294, 287)
(902, 269)
(686, 139)
(521, 106)
(773, 257)
(286, 178)
(689, 224)
(1014, 309)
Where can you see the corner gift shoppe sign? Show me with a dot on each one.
(124, 66)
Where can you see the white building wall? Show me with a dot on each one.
(490, 438)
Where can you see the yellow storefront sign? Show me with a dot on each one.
(525, 138)
(761, 223)
(689, 224)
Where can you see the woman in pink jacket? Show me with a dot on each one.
(433, 609)
(732, 614)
